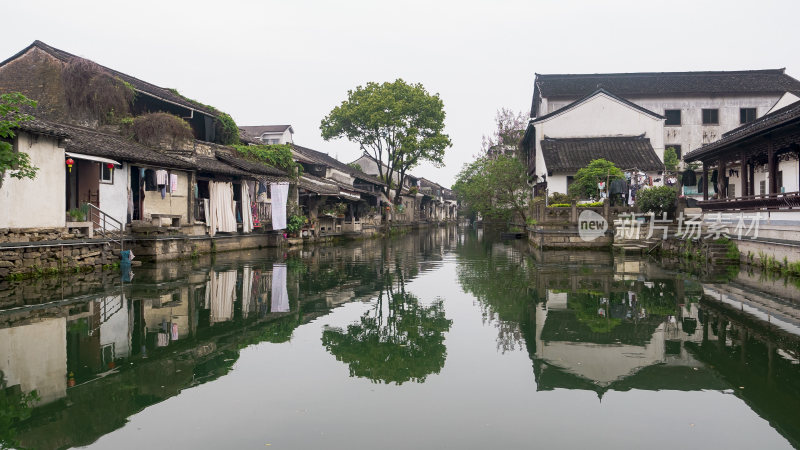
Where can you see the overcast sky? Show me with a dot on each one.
(291, 62)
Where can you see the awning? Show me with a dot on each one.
(350, 195)
(92, 158)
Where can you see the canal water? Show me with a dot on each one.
(448, 338)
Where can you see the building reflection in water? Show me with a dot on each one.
(600, 322)
(80, 343)
(97, 351)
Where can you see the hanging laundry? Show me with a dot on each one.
(161, 177)
(162, 340)
(280, 193)
(173, 183)
(689, 178)
(280, 296)
(163, 189)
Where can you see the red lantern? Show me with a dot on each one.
(69, 162)
(110, 167)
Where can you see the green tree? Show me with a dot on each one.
(658, 200)
(599, 170)
(399, 340)
(399, 124)
(494, 188)
(16, 163)
(671, 160)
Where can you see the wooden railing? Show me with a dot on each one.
(777, 201)
(264, 214)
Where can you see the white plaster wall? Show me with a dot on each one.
(116, 330)
(40, 202)
(114, 197)
(600, 116)
(692, 134)
(790, 176)
(34, 356)
(786, 99)
(339, 176)
(175, 203)
(557, 183)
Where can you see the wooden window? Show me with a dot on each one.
(762, 187)
(106, 174)
(673, 116)
(747, 115)
(710, 117)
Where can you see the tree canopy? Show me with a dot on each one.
(671, 160)
(404, 344)
(505, 138)
(16, 163)
(494, 188)
(398, 124)
(599, 170)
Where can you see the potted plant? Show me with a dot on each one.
(79, 214)
(294, 224)
(340, 208)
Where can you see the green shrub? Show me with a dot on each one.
(558, 197)
(559, 205)
(657, 200)
(295, 222)
(156, 129)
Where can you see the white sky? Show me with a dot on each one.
(290, 62)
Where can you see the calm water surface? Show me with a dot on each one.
(443, 339)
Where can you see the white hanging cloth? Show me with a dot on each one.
(280, 194)
(247, 289)
(280, 296)
(247, 212)
(223, 289)
(222, 217)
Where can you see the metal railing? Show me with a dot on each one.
(107, 226)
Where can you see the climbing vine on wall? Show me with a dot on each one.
(93, 92)
(274, 155)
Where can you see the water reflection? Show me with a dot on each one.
(89, 359)
(598, 322)
(397, 340)
(96, 351)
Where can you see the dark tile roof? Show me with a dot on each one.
(42, 127)
(232, 159)
(213, 165)
(627, 152)
(592, 94)
(258, 130)
(318, 185)
(315, 157)
(93, 142)
(245, 138)
(139, 85)
(787, 114)
(663, 84)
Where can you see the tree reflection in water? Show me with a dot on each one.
(397, 340)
